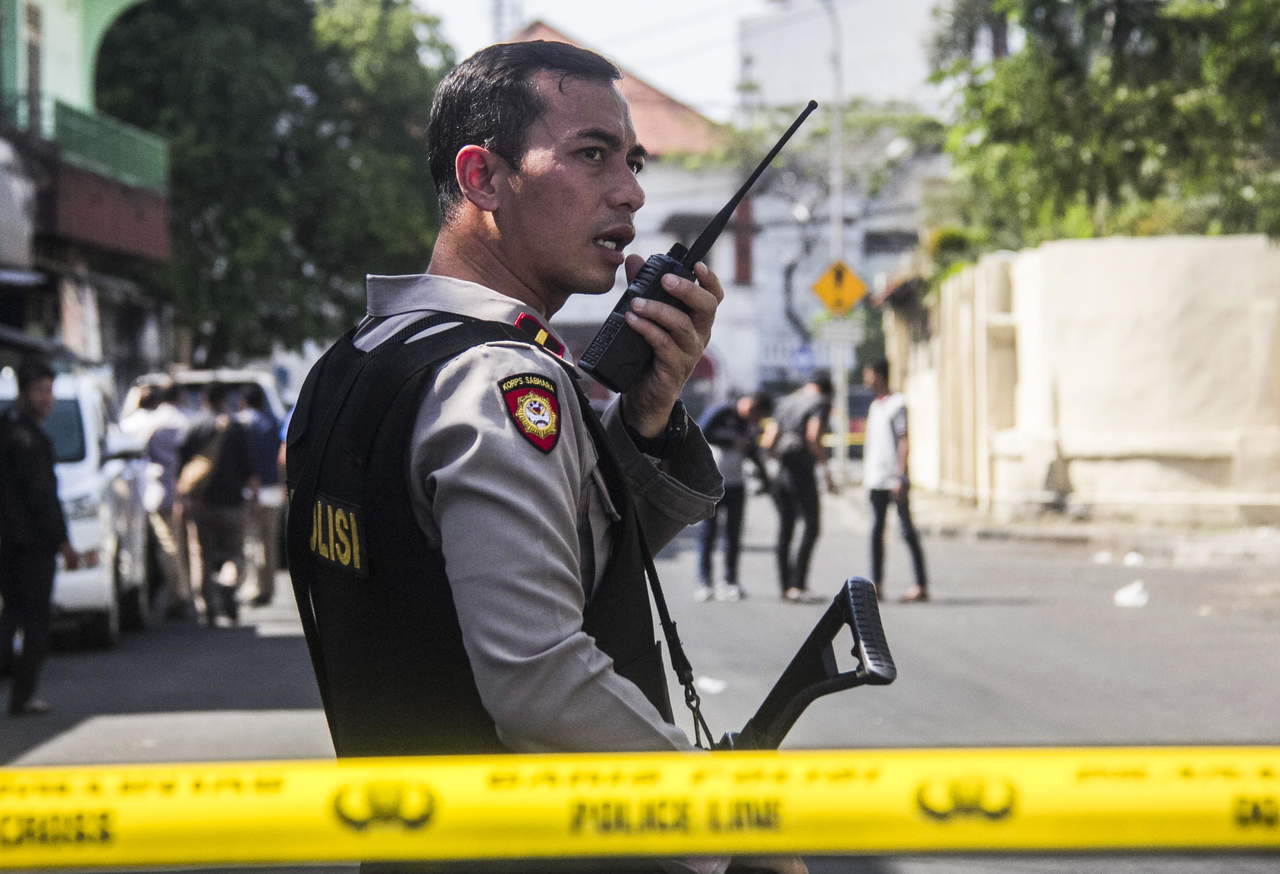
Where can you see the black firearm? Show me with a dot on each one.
(813, 672)
(618, 356)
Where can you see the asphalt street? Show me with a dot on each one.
(1022, 645)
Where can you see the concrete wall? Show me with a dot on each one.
(1121, 377)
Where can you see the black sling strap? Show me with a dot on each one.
(680, 664)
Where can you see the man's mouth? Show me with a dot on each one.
(615, 239)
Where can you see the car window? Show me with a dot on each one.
(64, 427)
(860, 402)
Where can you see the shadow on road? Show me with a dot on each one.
(983, 601)
(173, 667)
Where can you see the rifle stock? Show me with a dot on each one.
(813, 672)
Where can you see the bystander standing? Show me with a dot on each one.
(884, 473)
(263, 434)
(167, 427)
(794, 437)
(216, 470)
(34, 533)
(733, 430)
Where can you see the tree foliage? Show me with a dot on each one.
(297, 137)
(1121, 117)
(962, 28)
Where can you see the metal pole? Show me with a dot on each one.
(838, 352)
(837, 133)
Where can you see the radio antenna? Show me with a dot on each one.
(709, 234)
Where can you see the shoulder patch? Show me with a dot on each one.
(534, 407)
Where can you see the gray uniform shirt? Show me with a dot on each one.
(525, 533)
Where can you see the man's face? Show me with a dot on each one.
(869, 377)
(37, 397)
(566, 214)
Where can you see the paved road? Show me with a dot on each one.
(1022, 645)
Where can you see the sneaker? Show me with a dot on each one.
(182, 610)
(730, 592)
(703, 593)
(34, 707)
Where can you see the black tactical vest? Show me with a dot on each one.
(376, 606)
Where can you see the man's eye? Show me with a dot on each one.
(593, 154)
(636, 166)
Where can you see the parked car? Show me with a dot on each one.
(101, 473)
(860, 398)
(194, 382)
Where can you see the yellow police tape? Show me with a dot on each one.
(866, 801)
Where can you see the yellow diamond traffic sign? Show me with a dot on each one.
(839, 288)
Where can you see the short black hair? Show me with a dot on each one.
(762, 403)
(216, 395)
(881, 368)
(149, 396)
(255, 397)
(822, 379)
(488, 100)
(33, 369)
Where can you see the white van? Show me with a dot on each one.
(101, 474)
(193, 383)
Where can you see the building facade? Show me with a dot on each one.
(81, 194)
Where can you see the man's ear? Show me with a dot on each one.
(479, 173)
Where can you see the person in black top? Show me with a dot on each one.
(263, 433)
(216, 471)
(795, 439)
(733, 430)
(32, 532)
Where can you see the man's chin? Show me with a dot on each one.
(597, 287)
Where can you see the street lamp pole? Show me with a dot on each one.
(837, 132)
(838, 342)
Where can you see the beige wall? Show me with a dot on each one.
(1114, 377)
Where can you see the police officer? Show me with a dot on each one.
(34, 532)
(466, 537)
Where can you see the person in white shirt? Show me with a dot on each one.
(884, 473)
(165, 432)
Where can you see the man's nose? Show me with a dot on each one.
(628, 193)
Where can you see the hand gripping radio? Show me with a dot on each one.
(618, 356)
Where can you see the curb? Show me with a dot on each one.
(1184, 546)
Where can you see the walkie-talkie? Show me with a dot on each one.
(618, 356)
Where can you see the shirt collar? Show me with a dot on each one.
(393, 295)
